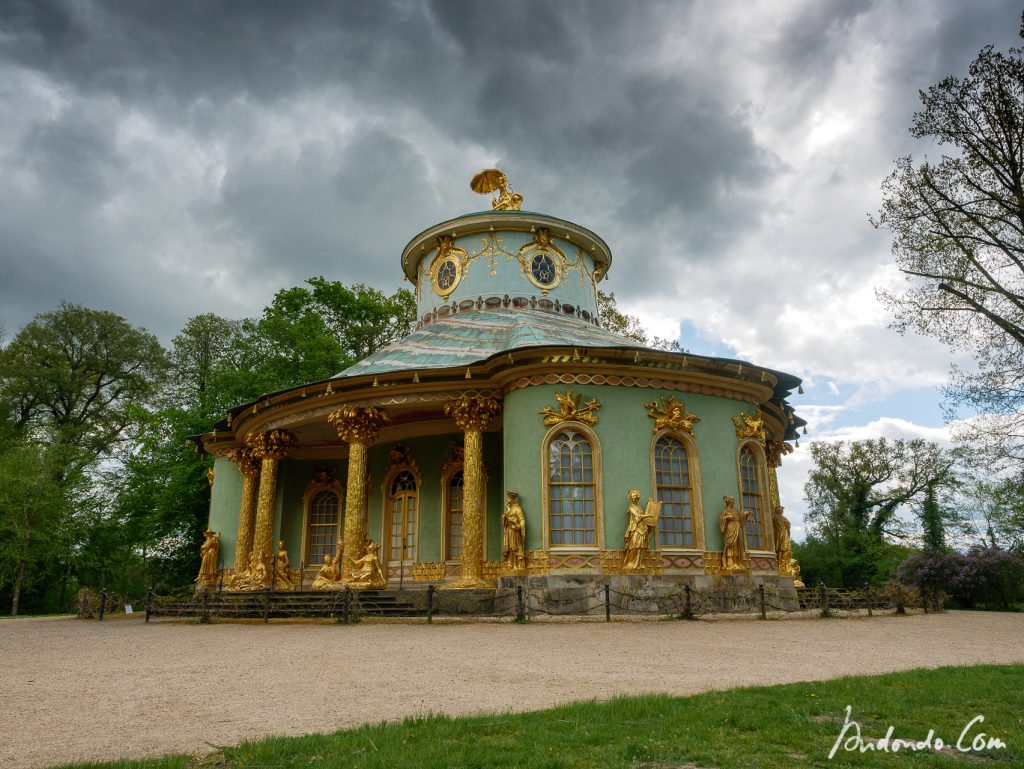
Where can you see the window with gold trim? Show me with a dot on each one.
(453, 518)
(753, 497)
(403, 501)
(675, 490)
(572, 505)
(322, 535)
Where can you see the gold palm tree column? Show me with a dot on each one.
(269, 448)
(472, 414)
(358, 426)
(249, 467)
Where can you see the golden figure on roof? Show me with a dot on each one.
(491, 180)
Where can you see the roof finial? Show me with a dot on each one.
(490, 180)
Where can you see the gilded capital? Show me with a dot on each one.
(273, 444)
(358, 424)
(246, 461)
(472, 412)
(774, 451)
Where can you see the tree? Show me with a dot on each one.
(857, 490)
(613, 319)
(958, 237)
(78, 376)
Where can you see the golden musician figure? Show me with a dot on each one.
(513, 544)
(638, 532)
(209, 553)
(731, 522)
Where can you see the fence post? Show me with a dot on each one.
(204, 608)
(607, 603)
(899, 598)
(687, 606)
(924, 600)
(149, 603)
(823, 599)
(347, 604)
(520, 605)
(430, 603)
(103, 603)
(266, 606)
(760, 590)
(870, 598)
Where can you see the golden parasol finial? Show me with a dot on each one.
(491, 180)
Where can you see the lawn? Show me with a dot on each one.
(765, 727)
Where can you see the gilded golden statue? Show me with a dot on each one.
(282, 569)
(367, 571)
(513, 543)
(783, 543)
(638, 532)
(794, 570)
(731, 522)
(491, 180)
(329, 576)
(209, 553)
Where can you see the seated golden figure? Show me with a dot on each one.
(329, 576)
(366, 572)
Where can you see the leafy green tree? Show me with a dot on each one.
(78, 377)
(613, 319)
(958, 237)
(857, 490)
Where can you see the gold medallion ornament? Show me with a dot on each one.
(447, 268)
(492, 180)
(670, 413)
(542, 262)
(569, 410)
(750, 426)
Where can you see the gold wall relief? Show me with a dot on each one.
(750, 427)
(569, 410)
(670, 413)
(428, 572)
(399, 459)
(448, 266)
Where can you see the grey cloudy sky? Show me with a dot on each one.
(162, 159)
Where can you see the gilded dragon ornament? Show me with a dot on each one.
(670, 413)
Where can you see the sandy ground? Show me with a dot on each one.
(78, 690)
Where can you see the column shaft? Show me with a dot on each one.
(355, 514)
(472, 568)
(246, 519)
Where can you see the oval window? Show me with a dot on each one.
(542, 268)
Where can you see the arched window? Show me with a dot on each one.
(572, 505)
(322, 536)
(753, 497)
(675, 489)
(402, 502)
(453, 517)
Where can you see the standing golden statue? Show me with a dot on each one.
(638, 532)
(783, 543)
(731, 522)
(209, 553)
(491, 180)
(513, 544)
(283, 579)
(367, 572)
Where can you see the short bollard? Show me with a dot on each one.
(924, 600)
(347, 604)
(149, 603)
(687, 606)
(266, 606)
(520, 605)
(870, 598)
(430, 603)
(607, 604)
(204, 608)
(760, 590)
(823, 599)
(103, 603)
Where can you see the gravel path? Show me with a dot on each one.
(75, 690)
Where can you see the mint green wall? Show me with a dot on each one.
(624, 431)
(225, 501)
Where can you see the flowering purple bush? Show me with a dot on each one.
(983, 576)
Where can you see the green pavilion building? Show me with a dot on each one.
(508, 439)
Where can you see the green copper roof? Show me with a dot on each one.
(473, 336)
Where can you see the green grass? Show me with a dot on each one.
(778, 726)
